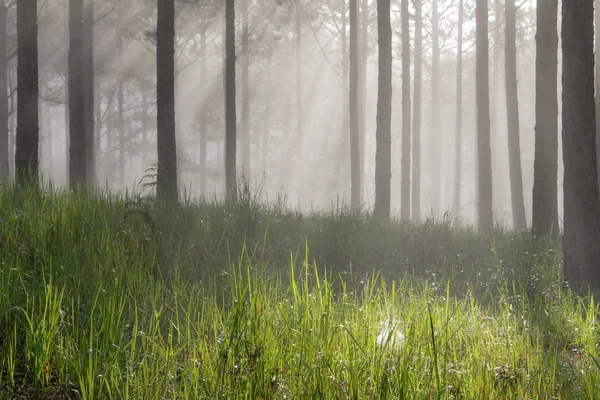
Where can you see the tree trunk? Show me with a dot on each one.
(458, 118)
(544, 216)
(166, 176)
(203, 111)
(436, 190)
(354, 109)
(77, 127)
(245, 92)
(416, 149)
(405, 180)
(498, 180)
(512, 112)
(230, 117)
(383, 173)
(4, 132)
(597, 64)
(362, 124)
(121, 112)
(582, 206)
(484, 160)
(88, 89)
(267, 119)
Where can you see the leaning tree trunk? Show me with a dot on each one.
(416, 149)
(581, 253)
(544, 216)
(166, 174)
(230, 117)
(354, 109)
(486, 218)
(405, 180)
(458, 118)
(383, 173)
(77, 127)
(512, 113)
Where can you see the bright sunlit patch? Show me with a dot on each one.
(390, 334)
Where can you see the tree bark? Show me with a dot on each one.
(121, 112)
(383, 173)
(458, 115)
(362, 132)
(245, 92)
(77, 126)
(88, 90)
(166, 175)
(512, 112)
(4, 132)
(435, 111)
(416, 148)
(230, 117)
(581, 253)
(544, 219)
(203, 110)
(486, 217)
(405, 175)
(354, 109)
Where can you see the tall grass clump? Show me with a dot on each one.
(107, 296)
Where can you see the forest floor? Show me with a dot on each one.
(109, 297)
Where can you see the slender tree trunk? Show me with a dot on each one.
(581, 264)
(458, 118)
(97, 133)
(88, 90)
(362, 124)
(354, 109)
(267, 119)
(484, 161)
(4, 132)
(512, 112)
(416, 149)
(26, 155)
(166, 176)
(497, 165)
(298, 38)
(77, 127)
(346, 146)
(203, 111)
(121, 112)
(597, 65)
(435, 110)
(245, 92)
(383, 173)
(145, 128)
(405, 181)
(544, 218)
(230, 117)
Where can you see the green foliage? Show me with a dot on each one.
(110, 297)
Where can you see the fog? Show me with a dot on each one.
(308, 167)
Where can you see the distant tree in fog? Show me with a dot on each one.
(405, 179)
(383, 172)
(484, 156)
(354, 109)
(26, 156)
(416, 142)
(4, 131)
(166, 180)
(230, 114)
(458, 110)
(581, 265)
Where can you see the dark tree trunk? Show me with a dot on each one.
(230, 118)
(484, 160)
(458, 117)
(4, 132)
(405, 180)
(88, 90)
(544, 217)
(77, 127)
(354, 110)
(436, 185)
(582, 207)
(245, 92)
(416, 149)
(512, 112)
(166, 177)
(597, 64)
(383, 173)
(26, 155)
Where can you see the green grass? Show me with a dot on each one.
(109, 297)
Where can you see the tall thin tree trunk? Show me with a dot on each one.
(88, 89)
(145, 127)
(486, 217)
(267, 118)
(416, 149)
(581, 252)
(203, 110)
(166, 176)
(435, 111)
(497, 165)
(97, 133)
(512, 112)
(544, 217)
(121, 112)
(77, 127)
(458, 118)
(405, 181)
(383, 165)
(597, 65)
(362, 124)
(230, 117)
(245, 92)
(4, 132)
(354, 109)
